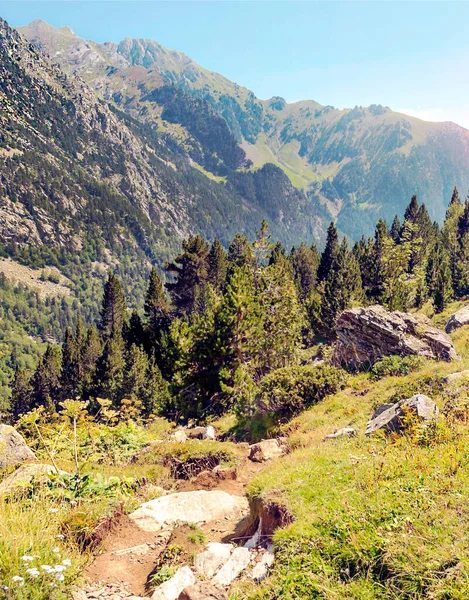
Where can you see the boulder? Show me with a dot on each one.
(210, 433)
(235, 565)
(390, 419)
(203, 591)
(261, 569)
(13, 448)
(207, 563)
(224, 473)
(364, 335)
(338, 433)
(456, 378)
(179, 436)
(195, 433)
(25, 474)
(199, 506)
(266, 450)
(171, 589)
(460, 318)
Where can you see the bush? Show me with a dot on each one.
(287, 391)
(396, 365)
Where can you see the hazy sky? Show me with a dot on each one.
(411, 56)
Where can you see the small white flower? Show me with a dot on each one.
(59, 568)
(17, 579)
(60, 537)
(47, 568)
(59, 577)
(56, 550)
(53, 510)
(27, 558)
(67, 562)
(32, 572)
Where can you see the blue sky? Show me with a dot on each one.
(411, 56)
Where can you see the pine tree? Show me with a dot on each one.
(21, 393)
(438, 277)
(90, 354)
(134, 332)
(262, 245)
(217, 264)
(278, 254)
(330, 253)
(449, 234)
(109, 375)
(46, 379)
(136, 366)
(461, 279)
(70, 374)
(114, 308)
(396, 229)
(155, 396)
(305, 262)
(191, 270)
(157, 311)
(240, 252)
(412, 210)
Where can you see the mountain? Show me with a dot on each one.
(358, 164)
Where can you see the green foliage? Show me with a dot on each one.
(286, 391)
(396, 365)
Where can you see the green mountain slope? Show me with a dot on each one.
(360, 164)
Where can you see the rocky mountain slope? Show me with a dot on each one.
(359, 164)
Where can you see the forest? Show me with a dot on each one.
(239, 329)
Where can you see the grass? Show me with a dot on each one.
(381, 517)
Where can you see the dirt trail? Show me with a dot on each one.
(128, 555)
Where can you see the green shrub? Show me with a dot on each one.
(291, 389)
(396, 365)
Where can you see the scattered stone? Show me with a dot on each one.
(460, 318)
(210, 433)
(179, 436)
(13, 448)
(261, 569)
(338, 433)
(171, 589)
(202, 591)
(189, 507)
(207, 563)
(25, 474)
(390, 419)
(364, 335)
(456, 378)
(266, 450)
(224, 473)
(235, 565)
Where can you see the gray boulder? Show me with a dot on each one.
(390, 418)
(460, 377)
(202, 591)
(365, 335)
(13, 448)
(460, 318)
(266, 450)
(172, 588)
(25, 474)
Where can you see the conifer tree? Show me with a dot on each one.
(395, 230)
(155, 396)
(114, 307)
(136, 366)
(190, 269)
(70, 373)
(134, 332)
(109, 375)
(90, 354)
(157, 311)
(21, 393)
(217, 264)
(449, 234)
(438, 277)
(330, 253)
(461, 283)
(240, 252)
(46, 379)
(305, 262)
(278, 254)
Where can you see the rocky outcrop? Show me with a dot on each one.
(13, 448)
(266, 450)
(389, 417)
(189, 507)
(234, 566)
(460, 377)
(25, 474)
(460, 318)
(171, 589)
(202, 591)
(207, 563)
(364, 335)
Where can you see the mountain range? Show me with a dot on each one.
(352, 165)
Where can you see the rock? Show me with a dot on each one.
(390, 419)
(266, 450)
(25, 474)
(338, 433)
(210, 433)
(364, 335)
(179, 436)
(189, 507)
(207, 563)
(235, 565)
(454, 378)
(171, 589)
(202, 591)
(13, 448)
(195, 433)
(261, 569)
(224, 473)
(460, 318)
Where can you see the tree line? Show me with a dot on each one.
(230, 324)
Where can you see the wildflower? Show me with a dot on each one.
(56, 550)
(18, 579)
(59, 577)
(33, 572)
(53, 510)
(67, 562)
(47, 568)
(27, 558)
(59, 568)
(60, 537)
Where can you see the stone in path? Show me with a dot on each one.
(390, 419)
(261, 569)
(236, 564)
(13, 448)
(207, 563)
(171, 589)
(189, 507)
(202, 591)
(266, 450)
